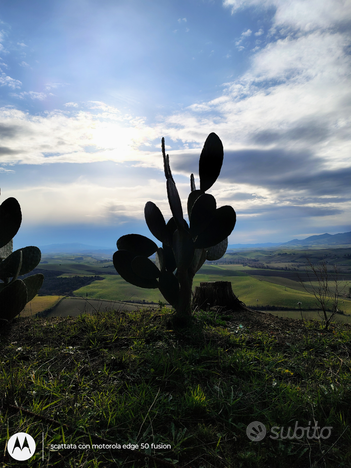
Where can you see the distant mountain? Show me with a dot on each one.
(74, 248)
(323, 239)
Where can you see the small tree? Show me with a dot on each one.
(184, 247)
(326, 291)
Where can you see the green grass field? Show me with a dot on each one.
(96, 380)
(252, 291)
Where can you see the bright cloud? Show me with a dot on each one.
(99, 134)
(301, 14)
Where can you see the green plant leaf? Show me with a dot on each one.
(13, 299)
(217, 251)
(10, 220)
(145, 268)
(192, 183)
(31, 259)
(198, 260)
(137, 244)
(160, 259)
(9, 266)
(193, 196)
(155, 221)
(122, 261)
(211, 161)
(170, 263)
(33, 284)
(202, 214)
(174, 202)
(222, 225)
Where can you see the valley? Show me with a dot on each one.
(273, 280)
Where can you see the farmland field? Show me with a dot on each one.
(74, 306)
(39, 304)
(260, 278)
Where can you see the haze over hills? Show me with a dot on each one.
(323, 239)
(75, 248)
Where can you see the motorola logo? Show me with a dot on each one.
(21, 446)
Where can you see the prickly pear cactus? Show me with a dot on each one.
(14, 292)
(185, 247)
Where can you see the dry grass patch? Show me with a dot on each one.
(39, 304)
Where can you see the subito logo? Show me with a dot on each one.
(21, 446)
(256, 431)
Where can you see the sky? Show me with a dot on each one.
(89, 87)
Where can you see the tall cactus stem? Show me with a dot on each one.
(183, 310)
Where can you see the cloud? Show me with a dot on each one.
(244, 34)
(3, 170)
(30, 94)
(7, 151)
(301, 14)
(259, 33)
(182, 20)
(10, 82)
(9, 131)
(64, 136)
(308, 131)
(50, 86)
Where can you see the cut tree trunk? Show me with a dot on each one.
(216, 293)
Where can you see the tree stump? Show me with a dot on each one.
(216, 293)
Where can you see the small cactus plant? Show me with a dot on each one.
(14, 292)
(185, 247)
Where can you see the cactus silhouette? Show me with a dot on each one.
(185, 247)
(14, 292)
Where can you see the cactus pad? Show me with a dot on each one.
(10, 220)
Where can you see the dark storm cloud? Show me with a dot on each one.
(284, 212)
(9, 131)
(4, 151)
(276, 169)
(246, 166)
(311, 132)
(239, 196)
(316, 200)
(279, 169)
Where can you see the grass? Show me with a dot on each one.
(116, 378)
(39, 304)
(246, 288)
(310, 315)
